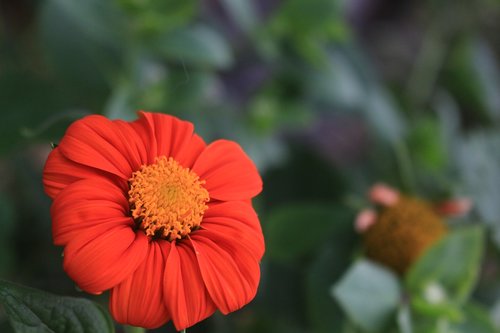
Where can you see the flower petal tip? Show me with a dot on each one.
(364, 220)
(455, 207)
(384, 195)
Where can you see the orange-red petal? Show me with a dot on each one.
(187, 156)
(99, 261)
(231, 272)
(228, 172)
(59, 172)
(236, 220)
(92, 205)
(170, 137)
(138, 301)
(98, 142)
(185, 295)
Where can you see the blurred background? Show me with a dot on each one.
(326, 96)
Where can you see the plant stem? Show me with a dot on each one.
(405, 166)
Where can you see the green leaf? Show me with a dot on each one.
(313, 19)
(426, 144)
(323, 312)
(383, 115)
(478, 162)
(437, 308)
(337, 82)
(31, 310)
(159, 16)
(369, 294)
(294, 231)
(472, 76)
(243, 13)
(447, 272)
(198, 45)
(269, 114)
(476, 320)
(345, 82)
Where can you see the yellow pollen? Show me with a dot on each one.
(167, 200)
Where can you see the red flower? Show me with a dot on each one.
(150, 211)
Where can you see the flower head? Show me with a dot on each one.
(403, 227)
(149, 211)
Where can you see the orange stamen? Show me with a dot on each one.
(167, 200)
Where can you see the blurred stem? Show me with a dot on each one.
(405, 166)
(183, 331)
(133, 329)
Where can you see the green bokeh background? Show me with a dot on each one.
(326, 96)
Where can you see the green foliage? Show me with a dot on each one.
(243, 13)
(369, 294)
(476, 320)
(473, 79)
(7, 218)
(82, 42)
(438, 286)
(22, 93)
(156, 16)
(426, 144)
(308, 25)
(330, 263)
(478, 160)
(197, 45)
(306, 225)
(438, 283)
(32, 310)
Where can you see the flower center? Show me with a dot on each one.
(167, 200)
(403, 232)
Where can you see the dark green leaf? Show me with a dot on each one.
(323, 312)
(369, 294)
(293, 231)
(31, 310)
(306, 177)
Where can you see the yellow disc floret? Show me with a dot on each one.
(166, 199)
(402, 233)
